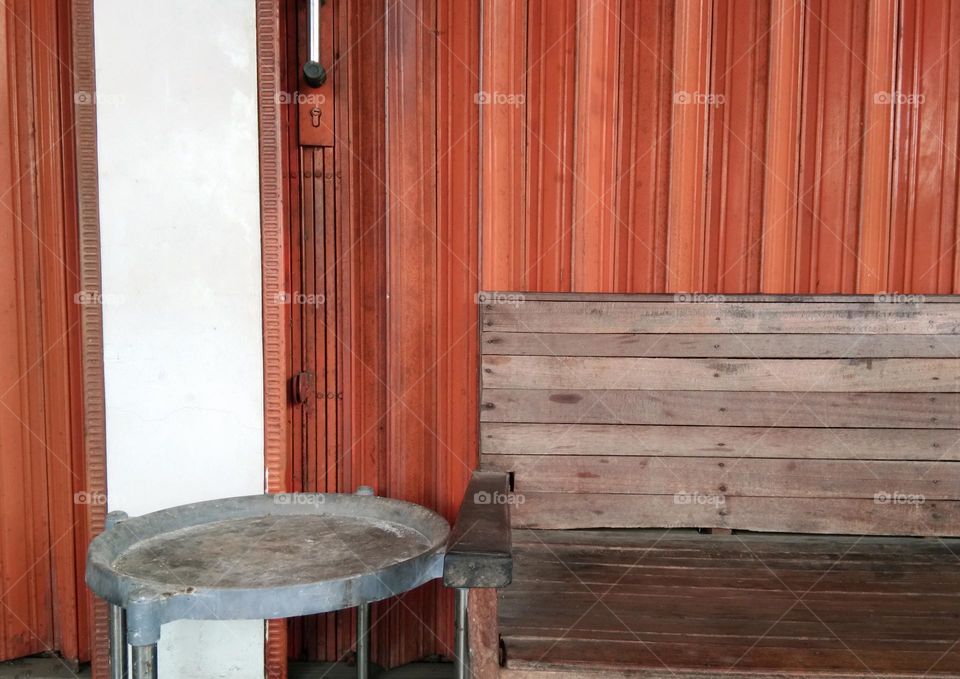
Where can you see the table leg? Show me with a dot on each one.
(461, 650)
(363, 641)
(118, 642)
(145, 662)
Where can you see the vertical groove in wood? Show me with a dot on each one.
(91, 320)
(738, 114)
(687, 215)
(55, 228)
(502, 104)
(549, 151)
(779, 266)
(923, 229)
(458, 267)
(272, 258)
(831, 146)
(643, 181)
(875, 212)
(412, 251)
(26, 623)
(595, 227)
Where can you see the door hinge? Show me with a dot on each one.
(301, 386)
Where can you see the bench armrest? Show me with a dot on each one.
(478, 549)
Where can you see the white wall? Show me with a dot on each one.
(179, 209)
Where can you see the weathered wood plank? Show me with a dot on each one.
(687, 542)
(623, 610)
(478, 549)
(542, 671)
(657, 345)
(722, 317)
(737, 442)
(550, 653)
(722, 408)
(797, 515)
(722, 374)
(693, 477)
(483, 636)
(512, 297)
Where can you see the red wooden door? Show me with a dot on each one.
(43, 502)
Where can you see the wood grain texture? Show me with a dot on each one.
(656, 603)
(595, 222)
(484, 639)
(723, 374)
(687, 315)
(731, 442)
(758, 346)
(873, 253)
(687, 216)
(779, 267)
(792, 515)
(720, 408)
(722, 477)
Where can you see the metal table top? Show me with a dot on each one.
(263, 556)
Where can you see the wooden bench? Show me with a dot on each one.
(816, 438)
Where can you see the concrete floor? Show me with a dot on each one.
(52, 668)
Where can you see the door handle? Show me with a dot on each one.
(313, 72)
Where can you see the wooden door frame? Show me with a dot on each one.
(273, 252)
(91, 315)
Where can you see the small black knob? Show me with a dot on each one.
(314, 74)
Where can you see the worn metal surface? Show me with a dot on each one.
(263, 556)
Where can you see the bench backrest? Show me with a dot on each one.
(770, 413)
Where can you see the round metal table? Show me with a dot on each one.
(258, 557)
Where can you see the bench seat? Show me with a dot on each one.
(675, 603)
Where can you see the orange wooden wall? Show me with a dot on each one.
(44, 498)
(614, 145)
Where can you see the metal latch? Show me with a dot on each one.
(301, 386)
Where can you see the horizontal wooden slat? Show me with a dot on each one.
(722, 317)
(722, 408)
(776, 604)
(798, 515)
(736, 442)
(551, 653)
(713, 479)
(781, 345)
(682, 544)
(713, 374)
(514, 297)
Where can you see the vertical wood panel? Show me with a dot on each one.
(80, 61)
(687, 221)
(412, 456)
(549, 153)
(735, 161)
(595, 227)
(874, 245)
(502, 119)
(831, 143)
(458, 269)
(25, 618)
(43, 527)
(644, 135)
(783, 131)
(924, 228)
